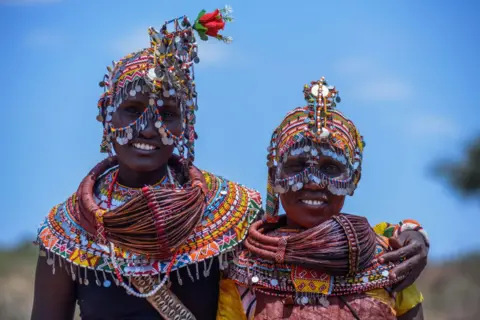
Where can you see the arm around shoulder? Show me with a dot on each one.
(54, 294)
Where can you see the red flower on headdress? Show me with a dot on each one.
(209, 24)
(213, 22)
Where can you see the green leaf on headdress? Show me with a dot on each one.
(200, 14)
(201, 30)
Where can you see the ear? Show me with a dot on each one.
(272, 202)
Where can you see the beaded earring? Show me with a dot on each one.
(272, 204)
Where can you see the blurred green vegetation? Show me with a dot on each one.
(17, 269)
(24, 255)
(464, 174)
(17, 275)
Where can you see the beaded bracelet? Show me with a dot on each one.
(412, 225)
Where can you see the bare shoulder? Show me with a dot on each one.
(54, 293)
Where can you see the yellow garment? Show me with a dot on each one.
(408, 299)
(380, 228)
(383, 296)
(229, 302)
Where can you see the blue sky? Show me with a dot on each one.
(406, 72)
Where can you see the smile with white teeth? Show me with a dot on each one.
(144, 146)
(313, 202)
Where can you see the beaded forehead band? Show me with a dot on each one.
(165, 70)
(313, 131)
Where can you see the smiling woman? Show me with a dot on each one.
(317, 262)
(144, 157)
(311, 205)
(146, 234)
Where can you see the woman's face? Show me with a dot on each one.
(313, 204)
(146, 152)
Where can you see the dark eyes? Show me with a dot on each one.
(295, 167)
(167, 114)
(132, 111)
(329, 169)
(135, 111)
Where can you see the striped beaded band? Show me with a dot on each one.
(353, 245)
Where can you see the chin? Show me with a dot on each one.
(146, 166)
(143, 168)
(312, 219)
(143, 162)
(312, 224)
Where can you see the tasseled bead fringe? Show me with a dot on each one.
(80, 274)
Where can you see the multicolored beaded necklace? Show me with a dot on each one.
(110, 194)
(125, 193)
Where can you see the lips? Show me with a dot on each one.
(314, 202)
(145, 145)
(314, 199)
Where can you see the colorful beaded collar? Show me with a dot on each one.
(230, 210)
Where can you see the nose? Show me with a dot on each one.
(150, 131)
(313, 186)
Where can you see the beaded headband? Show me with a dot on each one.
(314, 130)
(165, 70)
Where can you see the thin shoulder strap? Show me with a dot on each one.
(164, 301)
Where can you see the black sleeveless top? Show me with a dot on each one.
(113, 303)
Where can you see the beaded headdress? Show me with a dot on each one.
(165, 70)
(317, 129)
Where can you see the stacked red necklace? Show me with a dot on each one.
(340, 246)
(155, 223)
(337, 257)
(118, 274)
